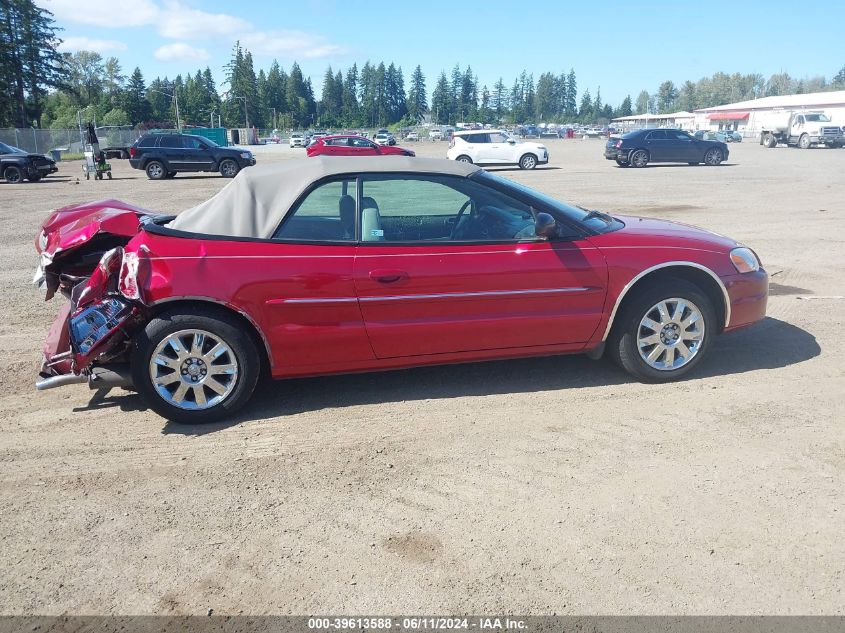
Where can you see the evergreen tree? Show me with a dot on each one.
(625, 108)
(350, 96)
(417, 99)
(441, 100)
(30, 62)
(274, 92)
(642, 102)
(331, 102)
(598, 106)
(134, 99)
(367, 90)
(667, 97)
(571, 94)
(585, 112)
(296, 96)
(499, 100)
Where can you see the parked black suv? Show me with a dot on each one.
(16, 164)
(165, 155)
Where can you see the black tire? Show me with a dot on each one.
(769, 140)
(713, 157)
(804, 141)
(229, 168)
(211, 320)
(108, 173)
(463, 158)
(13, 174)
(622, 343)
(155, 170)
(528, 161)
(639, 158)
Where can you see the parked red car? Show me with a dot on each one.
(350, 145)
(335, 265)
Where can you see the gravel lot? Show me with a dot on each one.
(552, 485)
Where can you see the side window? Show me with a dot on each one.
(360, 142)
(496, 137)
(192, 142)
(326, 214)
(147, 141)
(337, 142)
(680, 136)
(657, 135)
(171, 141)
(477, 138)
(439, 209)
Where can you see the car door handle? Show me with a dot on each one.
(388, 275)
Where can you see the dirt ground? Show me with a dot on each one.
(554, 485)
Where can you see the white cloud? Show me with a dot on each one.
(289, 44)
(114, 13)
(175, 20)
(73, 43)
(179, 52)
(182, 23)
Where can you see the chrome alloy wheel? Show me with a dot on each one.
(193, 369)
(670, 334)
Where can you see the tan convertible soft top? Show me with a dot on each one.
(256, 201)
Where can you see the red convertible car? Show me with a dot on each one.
(351, 145)
(321, 266)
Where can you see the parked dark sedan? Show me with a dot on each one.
(164, 155)
(641, 147)
(16, 164)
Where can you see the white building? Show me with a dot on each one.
(747, 116)
(681, 120)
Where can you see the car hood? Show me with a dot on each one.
(645, 231)
(70, 227)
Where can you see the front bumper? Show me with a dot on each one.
(749, 293)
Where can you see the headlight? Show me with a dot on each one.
(246, 155)
(744, 260)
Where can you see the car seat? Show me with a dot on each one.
(371, 230)
(346, 208)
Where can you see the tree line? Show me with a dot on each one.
(42, 87)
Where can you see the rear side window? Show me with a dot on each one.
(477, 138)
(147, 141)
(326, 214)
(657, 135)
(170, 141)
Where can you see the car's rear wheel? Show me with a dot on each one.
(229, 168)
(713, 156)
(639, 158)
(769, 140)
(528, 161)
(664, 331)
(804, 141)
(13, 174)
(463, 158)
(155, 170)
(195, 366)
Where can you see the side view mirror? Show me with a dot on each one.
(545, 226)
(511, 141)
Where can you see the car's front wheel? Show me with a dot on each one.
(229, 168)
(713, 157)
(528, 161)
(804, 141)
(194, 366)
(13, 174)
(463, 158)
(664, 331)
(155, 170)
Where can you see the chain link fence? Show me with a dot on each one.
(66, 141)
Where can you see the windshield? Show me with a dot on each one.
(594, 220)
(10, 149)
(821, 118)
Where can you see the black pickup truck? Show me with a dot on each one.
(17, 165)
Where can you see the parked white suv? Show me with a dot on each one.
(297, 139)
(495, 147)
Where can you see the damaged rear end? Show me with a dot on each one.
(84, 258)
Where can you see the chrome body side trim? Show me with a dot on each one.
(645, 272)
(465, 295)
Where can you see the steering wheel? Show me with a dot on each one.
(468, 204)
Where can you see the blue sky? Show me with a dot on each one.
(622, 47)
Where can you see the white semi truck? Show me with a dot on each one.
(800, 128)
